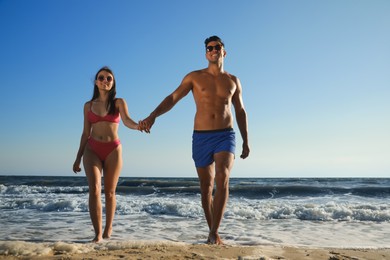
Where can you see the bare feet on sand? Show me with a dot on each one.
(106, 235)
(214, 239)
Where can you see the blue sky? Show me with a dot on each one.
(315, 76)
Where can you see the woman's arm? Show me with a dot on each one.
(83, 141)
(124, 112)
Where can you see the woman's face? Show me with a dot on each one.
(104, 81)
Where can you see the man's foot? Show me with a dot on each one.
(214, 239)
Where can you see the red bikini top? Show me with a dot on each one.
(93, 118)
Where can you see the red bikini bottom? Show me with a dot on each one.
(103, 149)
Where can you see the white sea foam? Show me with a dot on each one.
(323, 209)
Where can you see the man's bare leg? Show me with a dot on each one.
(223, 165)
(206, 179)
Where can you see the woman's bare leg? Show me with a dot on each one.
(93, 168)
(112, 169)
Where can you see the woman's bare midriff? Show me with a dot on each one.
(104, 131)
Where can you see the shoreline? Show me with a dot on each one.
(10, 250)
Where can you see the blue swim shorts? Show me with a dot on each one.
(206, 143)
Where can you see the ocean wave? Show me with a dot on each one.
(257, 199)
(243, 188)
(330, 208)
(27, 189)
(330, 211)
(44, 203)
(273, 191)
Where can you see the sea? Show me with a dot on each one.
(38, 212)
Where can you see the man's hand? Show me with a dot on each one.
(147, 123)
(245, 151)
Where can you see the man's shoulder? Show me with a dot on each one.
(194, 75)
(230, 75)
(196, 72)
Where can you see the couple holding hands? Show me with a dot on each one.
(213, 142)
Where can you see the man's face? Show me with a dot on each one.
(215, 51)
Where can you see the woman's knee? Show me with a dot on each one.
(109, 195)
(95, 190)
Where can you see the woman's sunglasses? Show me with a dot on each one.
(216, 47)
(101, 78)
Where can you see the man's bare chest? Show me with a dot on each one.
(218, 86)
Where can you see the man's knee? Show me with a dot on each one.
(206, 187)
(222, 179)
(222, 186)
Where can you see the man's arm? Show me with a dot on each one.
(168, 103)
(241, 118)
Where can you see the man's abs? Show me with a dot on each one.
(212, 121)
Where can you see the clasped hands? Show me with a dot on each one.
(146, 124)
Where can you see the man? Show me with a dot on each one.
(213, 143)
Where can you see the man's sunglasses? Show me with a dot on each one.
(216, 47)
(101, 78)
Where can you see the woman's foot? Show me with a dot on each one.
(97, 239)
(107, 233)
(214, 239)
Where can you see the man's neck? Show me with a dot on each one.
(215, 68)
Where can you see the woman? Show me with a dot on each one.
(101, 149)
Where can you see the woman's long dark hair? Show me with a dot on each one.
(111, 94)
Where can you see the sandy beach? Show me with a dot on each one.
(170, 250)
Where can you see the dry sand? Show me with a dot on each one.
(173, 251)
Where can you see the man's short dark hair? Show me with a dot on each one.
(213, 38)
